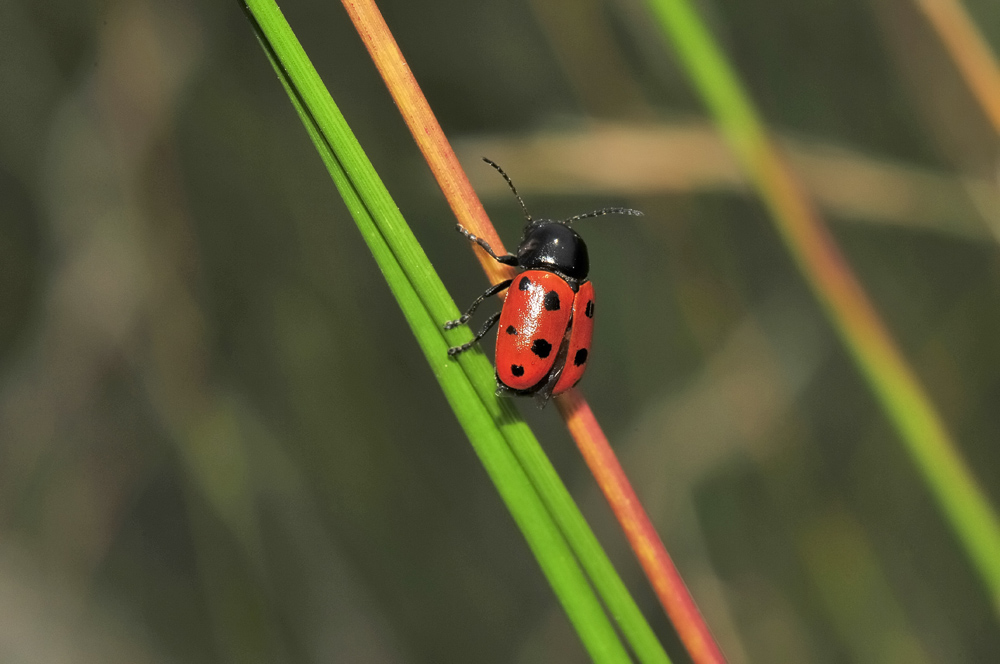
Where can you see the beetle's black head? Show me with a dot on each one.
(554, 246)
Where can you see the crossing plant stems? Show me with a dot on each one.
(562, 542)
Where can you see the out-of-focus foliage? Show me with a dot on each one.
(219, 443)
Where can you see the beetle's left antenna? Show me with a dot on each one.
(601, 213)
(512, 188)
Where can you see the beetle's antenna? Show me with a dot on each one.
(512, 188)
(601, 213)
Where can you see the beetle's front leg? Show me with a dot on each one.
(490, 292)
(506, 259)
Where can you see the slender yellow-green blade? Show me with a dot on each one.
(856, 320)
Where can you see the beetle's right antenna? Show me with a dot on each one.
(512, 188)
(601, 213)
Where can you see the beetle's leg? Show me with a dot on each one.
(455, 350)
(504, 391)
(543, 395)
(490, 292)
(506, 259)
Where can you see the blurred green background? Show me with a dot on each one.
(219, 441)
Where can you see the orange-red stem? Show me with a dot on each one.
(649, 549)
(594, 446)
(426, 131)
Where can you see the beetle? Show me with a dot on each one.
(547, 320)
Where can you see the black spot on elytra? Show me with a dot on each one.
(511, 329)
(541, 348)
(517, 370)
(590, 309)
(581, 357)
(524, 283)
(552, 301)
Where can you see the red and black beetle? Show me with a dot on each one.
(547, 320)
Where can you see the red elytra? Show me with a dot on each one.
(581, 333)
(547, 320)
(543, 329)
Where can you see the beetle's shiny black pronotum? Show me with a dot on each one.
(547, 319)
(553, 246)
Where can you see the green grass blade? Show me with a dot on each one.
(425, 303)
(852, 314)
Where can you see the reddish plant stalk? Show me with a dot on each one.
(427, 132)
(587, 433)
(667, 583)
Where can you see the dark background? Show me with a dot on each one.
(219, 441)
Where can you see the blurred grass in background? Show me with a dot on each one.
(219, 442)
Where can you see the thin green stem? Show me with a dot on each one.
(852, 314)
(426, 304)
